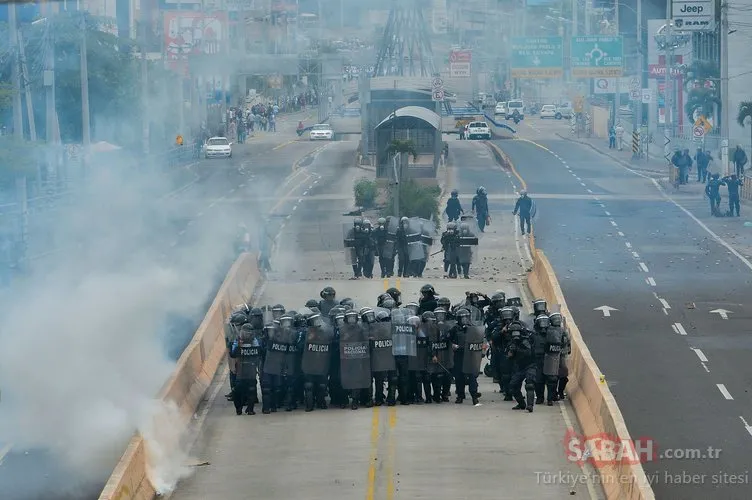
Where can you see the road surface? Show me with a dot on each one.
(666, 273)
(257, 175)
(447, 451)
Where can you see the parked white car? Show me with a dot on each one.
(321, 132)
(218, 147)
(564, 111)
(501, 109)
(478, 130)
(548, 111)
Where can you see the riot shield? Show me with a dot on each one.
(419, 362)
(403, 333)
(348, 235)
(476, 314)
(473, 354)
(389, 246)
(552, 355)
(382, 345)
(444, 351)
(275, 362)
(467, 247)
(317, 351)
(355, 358)
(427, 235)
(249, 358)
(433, 334)
(290, 337)
(533, 209)
(415, 250)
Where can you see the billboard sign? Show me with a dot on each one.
(597, 56)
(460, 62)
(537, 57)
(194, 33)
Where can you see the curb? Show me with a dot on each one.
(624, 163)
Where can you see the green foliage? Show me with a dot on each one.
(6, 96)
(416, 201)
(399, 146)
(365, 192)
(744, 112)
(702, 100)
(17, 158)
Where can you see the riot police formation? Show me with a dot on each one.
(459, 242)
(329, 353)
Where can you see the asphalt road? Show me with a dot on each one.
(254, 179)
(615, 241)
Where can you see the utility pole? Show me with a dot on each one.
(668, 90)
(725, 111)
(181, 79)
(617, 96)
(85, 118)
(27, 90)
(18, 130)
(637, 124)
(145, 134)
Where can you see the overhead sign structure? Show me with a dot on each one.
(537, 57)
(597, 56)
(460, 62)
(693, 15)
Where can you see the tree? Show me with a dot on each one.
(400, 146)
(744, 112)
(17, 158)
(702, 92)
(6, 96)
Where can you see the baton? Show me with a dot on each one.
(436, 253)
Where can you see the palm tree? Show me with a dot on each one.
(701, 97)
(745, 111)
(400, 146)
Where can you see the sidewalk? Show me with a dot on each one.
(653, 166)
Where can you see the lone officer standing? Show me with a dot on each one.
(734, 185)
(524, 206)
(453, 207)
(480, 207)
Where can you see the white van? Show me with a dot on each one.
(501, 109)
(515, 107)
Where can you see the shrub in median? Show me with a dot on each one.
(365, 192)
(416, 201)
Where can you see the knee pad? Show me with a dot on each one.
(529, 386)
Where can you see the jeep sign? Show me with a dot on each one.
(693, 15)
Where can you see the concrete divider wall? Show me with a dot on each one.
(500, 130)
(191, 378)
(592, 400)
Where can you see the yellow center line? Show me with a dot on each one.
(292, 190)
(371, 485)
(280, 146)
(386, 284)
(391, 454)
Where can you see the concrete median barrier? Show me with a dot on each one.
(591, 398)
(185, 389)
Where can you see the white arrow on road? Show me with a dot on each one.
(606, 310)
(723, 313)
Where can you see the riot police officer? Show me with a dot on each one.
(450, 243)
(427, 301)
(540, 328)
(383, 367)
(521, 353)
(551, 361)
(403, 254)
(566, 349)
(468, 352)
(445, 327)
(366, 249)
(317, 356)
(328, 300)
(355, 359)
(247, 350)
(386, 246)
(232, 329)
(338, 396)
(418, 364)
(396, 295)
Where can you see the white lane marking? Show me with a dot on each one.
(173, 244)
(701, 355)
(241, 185)
(590, 191)
(620, 234)
(200, 214)
(596, 198)
(222, 198)
(706, 367)
(608, 213)
(679, 328)
(724, 391)
(582, 184)
(644, 267)
(613, 223)
(294, 208)
(316, 181)
(4, 451)
(182, 232)
(664, 303)
(232, 190)
(587, 468)
(305, 193)
(746, 425)
(190, 222)
(576, 177)
(310, 187)
(212, 204)
(650, 281)
(629, 245)
(635, 255)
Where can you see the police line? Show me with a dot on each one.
(133, 477)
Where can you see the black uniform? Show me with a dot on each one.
(450, 244)
(734, 186)
(403, 256)
(317, 354)
(248, 350)
(365, 249)
(524, 207)
(522, 354)
(713, 192)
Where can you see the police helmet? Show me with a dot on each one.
(351, 317)
(244, 308)
(440, 314)
(358, 222)
(404, 219)
(388, 303)
(427, 289)
(381, 221)
(498, 299)
(542, 321)
(277, 311)
(539, 306)
(314, 310)
(381, 298)
(455, 193)
(340, 318)
(315, 321)
(383, 316)
(428, 316)
(396, 295)
(368, 316)
(256, 312)
(269, 329)
(481, 190)
(311, 303)
(463, 316)
(328, 293)
(464, 228)
(286, 321)
(555, 319)
(412, 307)
(246, 329)
(516, 311)
(506, 313)
(300, 321)
(367, 224)
(347, 303)
(451, 226)
(238, 318)
(444, 303)
(413, 321)
(334, 311)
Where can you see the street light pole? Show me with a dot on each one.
(617, 96)
(637, 124)
(725, 111)
(85, 116)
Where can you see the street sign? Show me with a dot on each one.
(460, 63)
(635, 94)
(635, 84)
(647, 96)
(437, 95)
(698, 131)
(537, 57)
(693, 15)
(597, 56)
(704, 123)
(437, 83)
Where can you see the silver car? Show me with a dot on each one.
(218, 147)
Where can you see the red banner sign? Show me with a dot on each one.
(192, 33)
(460, 56)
